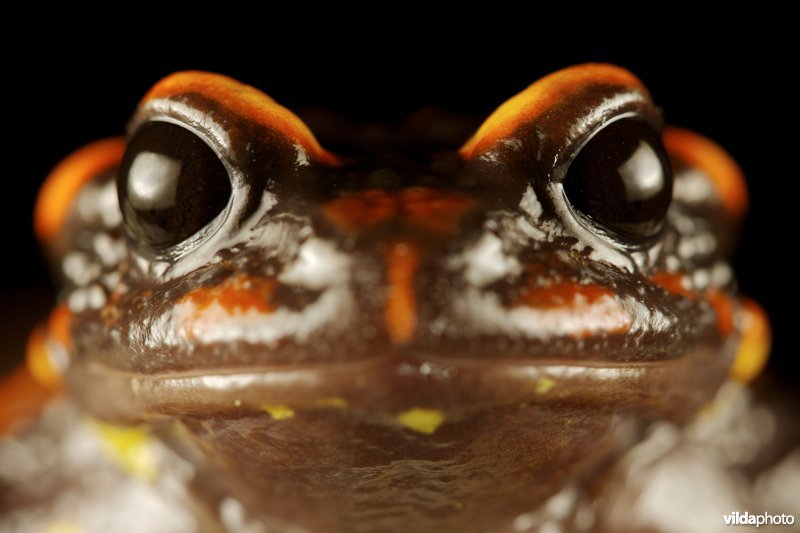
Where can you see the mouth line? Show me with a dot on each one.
(391, 381)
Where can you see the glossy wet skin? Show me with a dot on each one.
(487, 286)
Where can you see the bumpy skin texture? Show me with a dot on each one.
(408, 336)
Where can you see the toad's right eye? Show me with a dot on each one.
(171, 185)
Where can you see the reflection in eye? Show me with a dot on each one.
(153, 181)
(642, 174)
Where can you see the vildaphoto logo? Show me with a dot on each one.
(763, 519)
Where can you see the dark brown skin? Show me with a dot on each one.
(406, 336)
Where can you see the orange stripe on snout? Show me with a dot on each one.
(400, 310)
(244, 100)
(65, 181)
(709, 157)
(538, 98)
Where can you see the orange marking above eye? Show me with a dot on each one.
(541, 96)
(244, 100)
(710, 158)
(66, 179)
(431, 209)
(400, 309)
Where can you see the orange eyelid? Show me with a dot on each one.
(541, 96)
(66, 179)
(244, 100)
(709, 157)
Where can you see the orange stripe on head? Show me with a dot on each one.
(65, 181)
(538, 98)
(707, 156)
(400, 309)
(244, 100)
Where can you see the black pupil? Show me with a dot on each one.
(621, 179)
(171, 184)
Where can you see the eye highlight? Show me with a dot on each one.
(621, 180)
(171, 184)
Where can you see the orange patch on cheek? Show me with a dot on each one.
(719, 301)
(755, 343)
(65, 181)
(582, 310)
(22, 397)
(25, 391)
(236, 294)
(400, 309)
(723, 307)
(565, 294)
(673, 283)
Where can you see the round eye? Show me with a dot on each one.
(171, 184)
(621, 179)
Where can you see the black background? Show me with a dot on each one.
(713, 78)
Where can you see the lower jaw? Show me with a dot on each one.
(395, 443)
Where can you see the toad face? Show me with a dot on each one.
(408, 333)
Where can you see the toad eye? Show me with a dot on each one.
(171, 184)
(621, 180)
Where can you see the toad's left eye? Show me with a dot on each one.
(171, 185)
(621, 180)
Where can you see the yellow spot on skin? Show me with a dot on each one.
(544, 385)
(756, 341)
(130, 448)
(63, 527)
(278, 412)
(332, 401)
(421, 420)
(237, 403)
